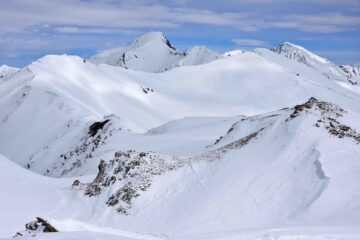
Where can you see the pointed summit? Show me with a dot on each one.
(151, 52)
(157, 37)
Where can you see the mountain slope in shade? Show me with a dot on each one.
(153, 52)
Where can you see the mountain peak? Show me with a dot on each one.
(152, 37)
(298, 53)
(153, 52)
(327, 68)
(7, 71)
(6, 67)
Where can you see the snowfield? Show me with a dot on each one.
(146, 142)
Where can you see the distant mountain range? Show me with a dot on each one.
(153, 52)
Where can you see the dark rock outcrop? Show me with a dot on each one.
(35, 227)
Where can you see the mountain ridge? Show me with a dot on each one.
(214, 147)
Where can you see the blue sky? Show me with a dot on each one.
(31, 29)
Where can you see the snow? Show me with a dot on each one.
(306, 52)
(153, 52)
(6, 72)
(198, 55)
(26, 195)
(233, 53)
(227, 155)
(149, 53)
(300, 54)
(67, 100)
(341, 233)
(352, 72)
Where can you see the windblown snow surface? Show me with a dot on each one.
(249, 145)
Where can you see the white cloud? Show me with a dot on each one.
(324, 23)
(71, 29)
(76, 16)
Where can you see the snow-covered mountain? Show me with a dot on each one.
(300, 54)
(68, 100)
(6, 72)
(153, 52)
(253, 145)
(232, 187)
(294, 178)
(198, 55)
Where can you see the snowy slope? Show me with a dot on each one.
(6, 72)
(198, 55)
(25, 195)
(153, 52)
(62, 103)
(294, 188)
(233, 53)
(253, 145)
(300, 54)
(295, 178)
(352, 72)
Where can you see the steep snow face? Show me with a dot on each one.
(151, 52)
(352, 72)
(300, 54)
(6, 72)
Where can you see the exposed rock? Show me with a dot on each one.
(35, 227)
(96, 126)
(76, 183)
(124, 178)
(131, 172)
(289, 51)
(352, 73)
(330, 118)
(97, 135)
